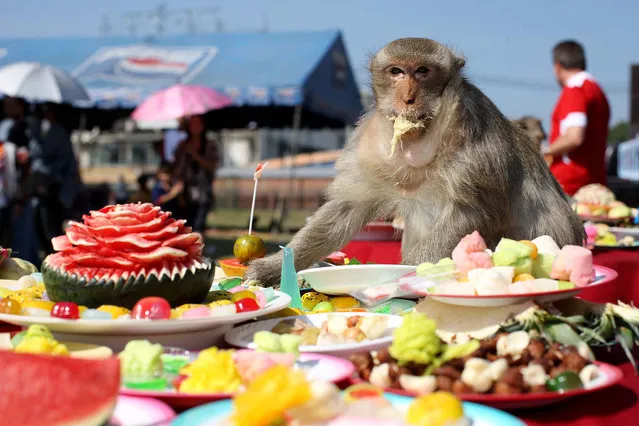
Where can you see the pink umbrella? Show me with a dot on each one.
(180, 100)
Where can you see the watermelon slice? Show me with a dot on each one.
(40, 390)
(123, 253)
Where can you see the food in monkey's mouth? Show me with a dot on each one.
(503, 364)
(401, 126)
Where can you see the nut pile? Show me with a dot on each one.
(504, 364)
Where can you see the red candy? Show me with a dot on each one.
(65, 310)
(246, 305)
(154, 308)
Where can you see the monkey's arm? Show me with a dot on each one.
(330, 228)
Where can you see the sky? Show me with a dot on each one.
(507, 44)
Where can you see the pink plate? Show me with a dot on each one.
(604, 276)
(611, 376)
(328, 368)
(131, 411)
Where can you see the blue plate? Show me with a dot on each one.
(206, 415)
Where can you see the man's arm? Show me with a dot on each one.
(567, 142)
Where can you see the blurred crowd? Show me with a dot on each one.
(41, 186)
(40, 180)
(183, 184)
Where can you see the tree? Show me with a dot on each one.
(620, 132)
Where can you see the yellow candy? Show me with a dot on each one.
(344, 302)
(219, 303)
(5, 292)
(523, 277)
(213, 371)
(37, 289)
(39, 304)
(115, 311)
(42, 345)
(532, 245)
(22, 295)
(244, 294)
(435, 409)
(312, 298)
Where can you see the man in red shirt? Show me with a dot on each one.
(579, 131)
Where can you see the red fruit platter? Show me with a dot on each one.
(249, 364)
(610, 376)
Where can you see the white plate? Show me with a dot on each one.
(131, 327)
(348, 278)
(604, 275)
(131, 411)
(242, 336)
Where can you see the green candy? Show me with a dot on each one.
(323, 306)
(566, 381)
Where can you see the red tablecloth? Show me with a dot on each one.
(618, 406)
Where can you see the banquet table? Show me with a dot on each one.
(618, 406)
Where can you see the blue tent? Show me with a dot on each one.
(281, 69)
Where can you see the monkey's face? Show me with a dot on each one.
(409, 77)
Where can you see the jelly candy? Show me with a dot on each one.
(115, 311)
(244, 294)
(10, 306)
(219, 303)
(312, 298)
(344, 302)
(153, 308)
(37, 308)
(230, 283)
(94, 314)
(218, 295)
(225, 310)
(199, 312)
(246, 305)
(26, 282)
(261, 299)
(269, 293)
(65, 310)
(323, 307)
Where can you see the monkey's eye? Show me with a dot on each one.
(422, 70)
(396, 71)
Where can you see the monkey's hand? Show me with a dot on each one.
(330, 228)
(266, 271)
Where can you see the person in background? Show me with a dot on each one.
(579, 132)
(121, 191)
(196, 161)
(161, 191)
(142, 194)
(55, 176)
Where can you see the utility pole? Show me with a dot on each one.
(105, 25)
(160, 18)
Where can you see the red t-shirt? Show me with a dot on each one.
(582, 103)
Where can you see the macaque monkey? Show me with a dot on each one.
(533, 127)
(437, 153)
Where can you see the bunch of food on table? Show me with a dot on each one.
(135, 263)
(595, 202)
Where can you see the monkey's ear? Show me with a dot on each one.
(459, 63)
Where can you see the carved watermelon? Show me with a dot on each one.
(123, 253)
(39, 390)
